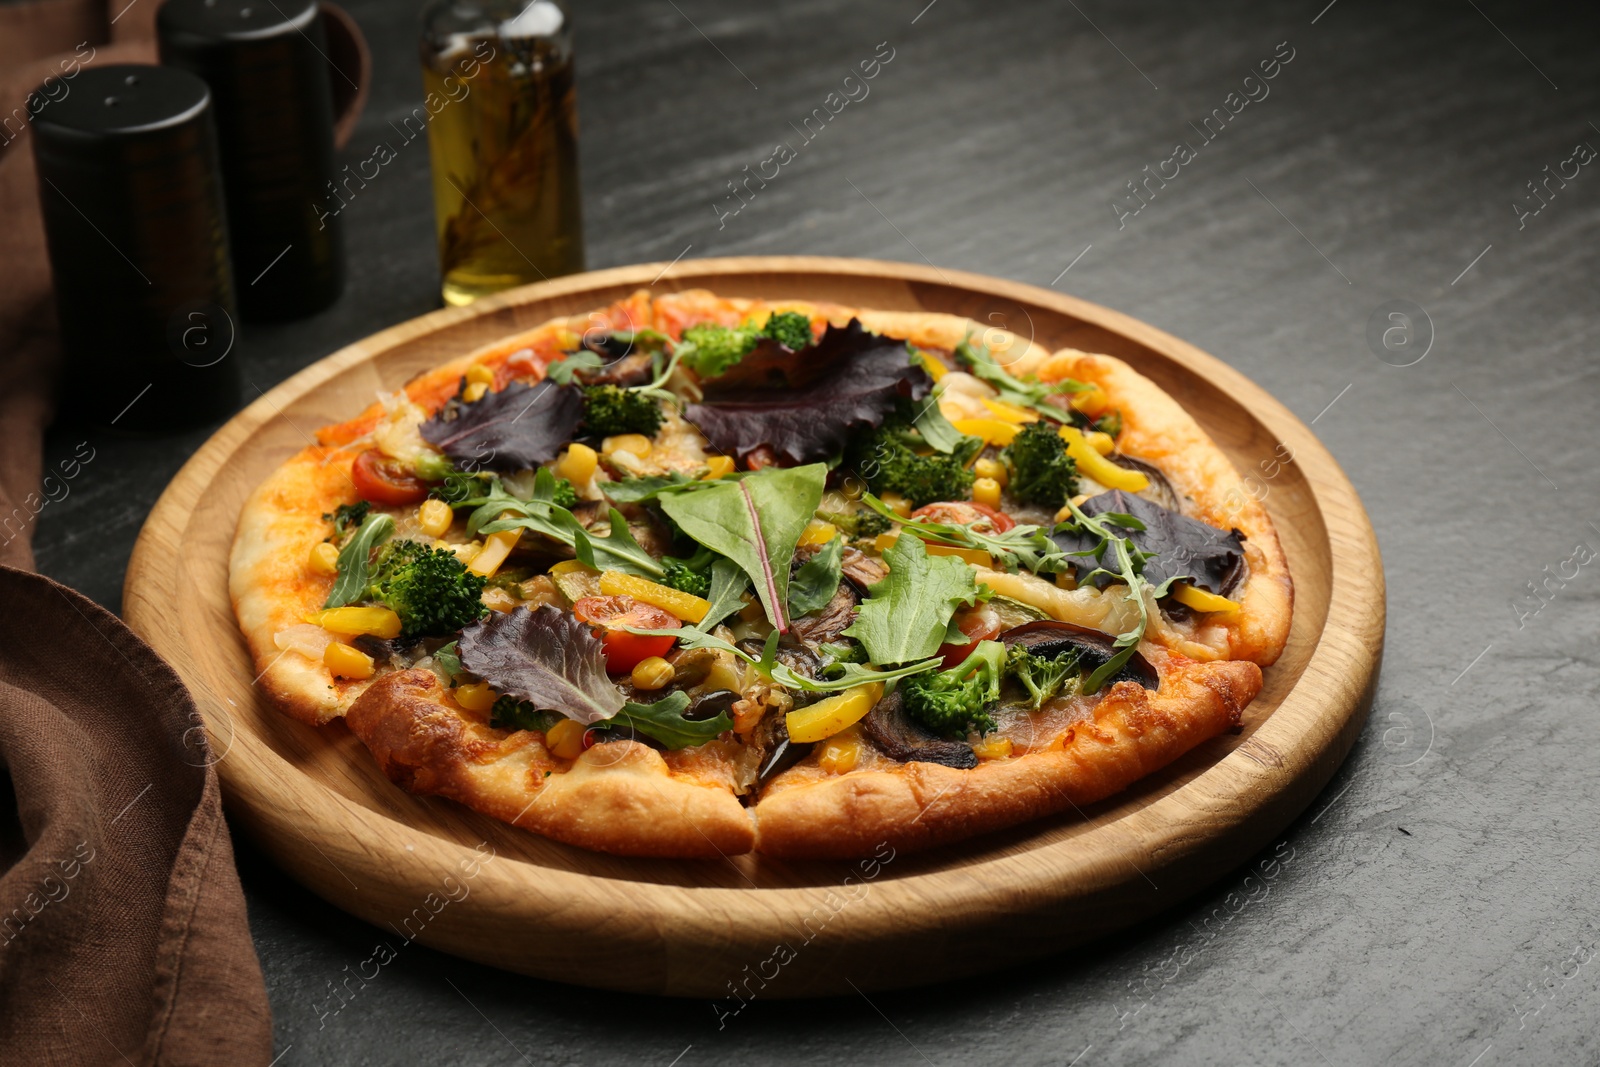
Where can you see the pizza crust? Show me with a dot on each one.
(1132, 732)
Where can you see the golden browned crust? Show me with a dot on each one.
(1132, 732)
(616, 797)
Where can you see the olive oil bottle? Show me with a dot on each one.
(503, 141)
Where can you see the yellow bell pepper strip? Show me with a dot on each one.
(686, 606)
(1200, 600)
(349, 622)
(828, 716)
(1094, 465)
(818, 532)
(346, 662)
(993, 431)
(1010, 412)
(496, 547)
(935, 369)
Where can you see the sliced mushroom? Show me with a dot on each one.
(861, 570)
(1049, 638)
(893, 731)
(1160, 489)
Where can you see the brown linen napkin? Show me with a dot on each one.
(123, 934)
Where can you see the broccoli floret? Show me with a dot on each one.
(835, 655)
(889, 465)
(863, 522)
(1041, 471)
(1042, 676)
(611, 409)
(954, 702)
(680, 575)
(347, 517)
(1109, 423)
(430, 589)
(509, 713)
(790, 329)
(709, 349)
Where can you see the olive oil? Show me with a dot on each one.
(503, 141)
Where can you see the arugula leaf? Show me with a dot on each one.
(1129, 563)
(756, 522)
(638, 490)
(664, 721)
(935, 429)
(728, 584)
(618, 552)
(355, 571)
(813, 585)
(562, 371)
(1024, 546)
(545, 657)
(852, 674)
(448, 659)
(1013, 390)
(908, 613)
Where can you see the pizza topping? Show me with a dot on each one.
(899, 737)
(515, 429)
(907, 616)
(955, 702)
(1174, 545)
(350, 584)
(614, 616)
(429, 588)
(1036, 650)
(1043, 397)
(546, 657)
(710, 350)
(384, 480)
(611, 409)
(1039, 469)
(902, 456)
(805, 409)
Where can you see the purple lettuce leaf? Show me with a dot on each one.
(546, 657)
(805, 405)
(515, 429)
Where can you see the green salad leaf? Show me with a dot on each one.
(756, 522)
(355, 568)
(664, 721)
(907, 615)
(813, 585)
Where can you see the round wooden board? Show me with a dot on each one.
(428, 869)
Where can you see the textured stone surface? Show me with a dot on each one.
(1436, 904)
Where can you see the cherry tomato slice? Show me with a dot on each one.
(981, 517)
(980, 624)
(624, 651)
(386, 481)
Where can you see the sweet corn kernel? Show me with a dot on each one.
(994, 747)
(479, 373)
(476, 696)
(349, 622)
(986, 491)
(718, 467)
(434, 517)
(475, 391)
(347, 662)
(324, 558)
(637, 443)
(897, 504)
(818, 532)
(841, 752)
(565, 739)
(652, 673)
(991, 468)
(577, 465)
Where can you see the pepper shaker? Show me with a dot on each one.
(135, 225)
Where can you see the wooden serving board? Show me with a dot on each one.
(429, 869)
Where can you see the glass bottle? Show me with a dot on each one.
(503, 140)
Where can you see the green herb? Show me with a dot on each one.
(562, 371)
(907, 615)
(756, 522)
(347, 517)
(619, 551)
(849, 675)
(1127, 563)
(1013, 390)
(445, 656)
(664, 721)
(354, 574)
(814, 584)
(937, 430)
(1025, 546)
(728, 585)
(638, 490)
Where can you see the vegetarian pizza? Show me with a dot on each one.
(696, 576)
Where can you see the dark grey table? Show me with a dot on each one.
(1437, 904)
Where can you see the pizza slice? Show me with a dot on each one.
(695, 576)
